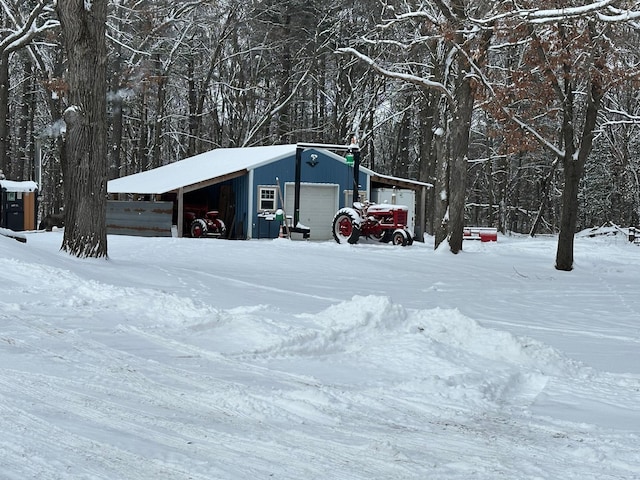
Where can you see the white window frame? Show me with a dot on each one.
(261, 206)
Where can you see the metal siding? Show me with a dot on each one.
(284, 169)
(327, 169)
(142, 219)
(398, 196)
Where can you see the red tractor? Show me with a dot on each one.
(379, 221)
(200, 222)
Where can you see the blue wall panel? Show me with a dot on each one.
(316, 167)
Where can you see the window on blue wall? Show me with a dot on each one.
(267, 200)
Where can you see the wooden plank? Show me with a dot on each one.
(213, 181)
(29, 199)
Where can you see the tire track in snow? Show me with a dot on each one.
(26, 434)
(101, 367)
(86, 399)
(375, 432)
(245, 284)
(297, 401)
(403, 423)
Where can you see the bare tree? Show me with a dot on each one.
(571, 58)
(452, 43)
(22, 22)
(615, 189)
(84, 165)
(190, 76)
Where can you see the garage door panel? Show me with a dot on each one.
(318, 205)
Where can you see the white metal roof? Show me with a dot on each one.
(391, 179)
(200, 168)
(211, 165)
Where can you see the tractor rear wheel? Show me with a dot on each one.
(198, 228)
(346, 226)
(386, 236)
(219, 227)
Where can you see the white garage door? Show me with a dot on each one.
(318, 206)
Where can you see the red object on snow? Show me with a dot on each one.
(484, 234)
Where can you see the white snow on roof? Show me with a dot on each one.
(199, 168)
(405, 180)
(213, 164)
(13, 186)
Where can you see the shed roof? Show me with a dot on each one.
(13, 186)
(222, 162)
(212, 167)
(399, 182)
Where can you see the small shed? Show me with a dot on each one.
(18, 205)
(246, 186)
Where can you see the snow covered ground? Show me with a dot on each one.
(210, 359)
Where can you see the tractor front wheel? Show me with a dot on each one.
(400, 237)
(346, 226)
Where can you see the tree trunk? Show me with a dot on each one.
(4, 113)
(158, 124)
(441, 184)
(573, 169)
(544, 200)
(400, 161)
(195, 118)
(286, 66)
(572, 175)
(460, 127)
(160, 81)
(427, 157)
(117, 105)
(85, 165)
(25, 125)
(141, 161)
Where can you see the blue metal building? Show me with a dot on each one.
(248, 185)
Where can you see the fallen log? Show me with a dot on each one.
(5, 232)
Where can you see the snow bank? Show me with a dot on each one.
(271, 359)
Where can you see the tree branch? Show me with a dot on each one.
(406, 77)
(29, 29)
(274, 110)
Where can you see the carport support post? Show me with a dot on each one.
(296, 201)
(180, 212)
(421, 218)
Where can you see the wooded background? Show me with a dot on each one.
(186, 77)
